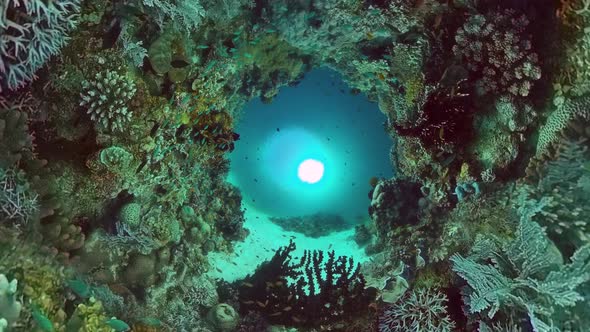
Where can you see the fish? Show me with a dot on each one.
(202, 47)
(41, 320)
(278, 129)
(79, 287)
(287, 308)
(271, 30)
(275, 314)
(179, 63)
(118, 325)
(247, 284)
(248, 55)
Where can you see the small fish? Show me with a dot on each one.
(179, 63)
(79, 287)
(203, 47)
(42, 321)
(275, 314)
(247, 284)
(287, 308)
(278, 129)
(248, 302)
(271, 30)
(248, 55)
(381, 77)
(262, 305)
(118, 325)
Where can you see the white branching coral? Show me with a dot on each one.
(30, 33)
(419, 310)
(106, 98)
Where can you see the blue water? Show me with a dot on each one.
(317, 119)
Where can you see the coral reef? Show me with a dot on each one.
(316, 225)
(32, 32)
(323, 292)
(496, 49)
(117, 119)
(419, 310)
(106, 98)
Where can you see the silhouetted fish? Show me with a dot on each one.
(179, 63)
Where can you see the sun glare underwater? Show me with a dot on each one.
(294, 166)
(316, 129)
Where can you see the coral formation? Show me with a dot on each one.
(32, 32)
(316, 225)
(419, 310)
(496, 49)
(106, 97)
(323, 292)
(117, 119)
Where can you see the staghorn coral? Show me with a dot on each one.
(30, 33)
(18, 203)
(498, 53)
(106, 99)
(418, 310)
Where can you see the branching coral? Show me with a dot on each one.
(419, 310)
(106, 99)
(496, 49)
(30, 33)
(525, 276)
(18, 203)
(323, 292)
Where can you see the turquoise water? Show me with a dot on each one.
(317, 119)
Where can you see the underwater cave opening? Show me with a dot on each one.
(303, 165)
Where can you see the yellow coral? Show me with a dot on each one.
(92, 316)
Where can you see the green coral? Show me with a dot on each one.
(130, 214)
(116, 159)
(106, 99)
(561, 195)
(526, 275)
